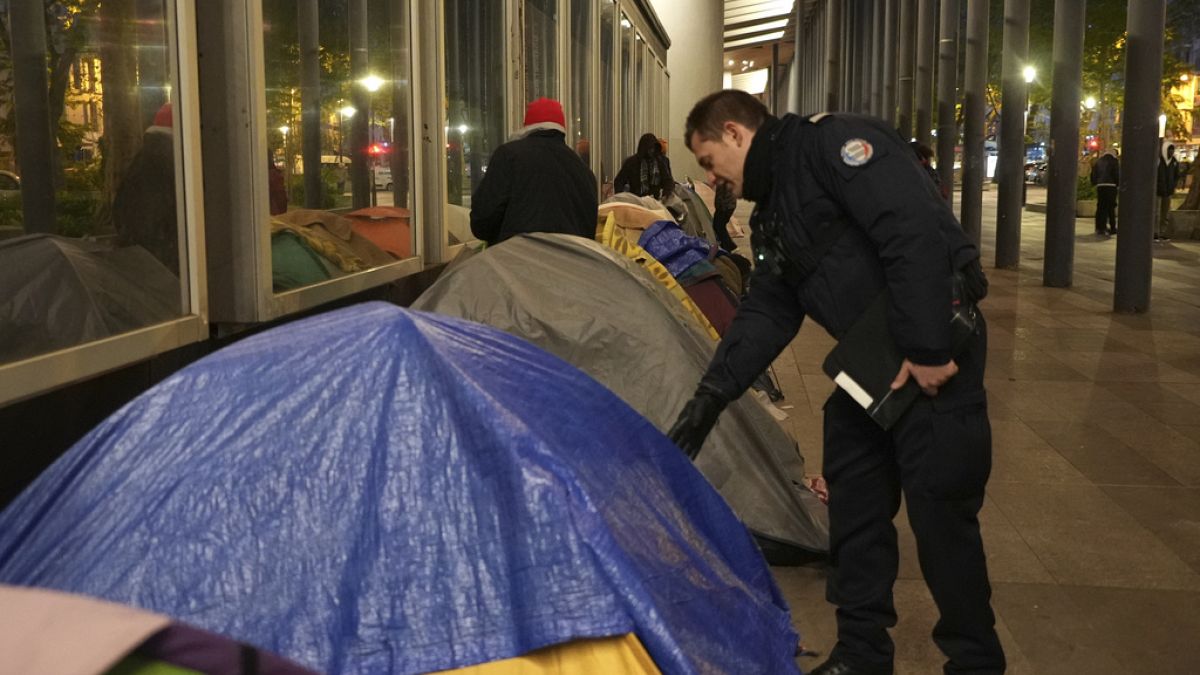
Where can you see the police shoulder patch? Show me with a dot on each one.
(857, 152)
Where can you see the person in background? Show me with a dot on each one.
(1106, 176)
(535, 183)
(925, 157)
(1168, 174)
(143, 208)
(276, 189)
(724, 204)
(843, 215)
(647, 173)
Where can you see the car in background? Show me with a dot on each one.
(1035, 172)
(10, 184)
(383, 177)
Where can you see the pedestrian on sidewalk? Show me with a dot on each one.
(1106, 176)
(1168, 173)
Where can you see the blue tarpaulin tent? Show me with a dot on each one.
(379, 490)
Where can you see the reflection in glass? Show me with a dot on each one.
(541, 72)
(90, 232)
(581, 78)
(475, 122)
(338, 112)
(607, 137)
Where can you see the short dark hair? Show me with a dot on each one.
(708, 117)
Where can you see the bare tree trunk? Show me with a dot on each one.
(118, 71)
(1192, 201)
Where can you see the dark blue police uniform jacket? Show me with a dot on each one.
(851, 184)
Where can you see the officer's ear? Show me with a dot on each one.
(734, 131)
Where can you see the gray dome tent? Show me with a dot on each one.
(608, 317)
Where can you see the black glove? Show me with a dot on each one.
(695, 421)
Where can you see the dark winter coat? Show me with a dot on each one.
(534, 184)
(852, 181)
(1168, 175)
(647, 173)
(1106, 171)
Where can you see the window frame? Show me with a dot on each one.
(246, 295)
(39, 374)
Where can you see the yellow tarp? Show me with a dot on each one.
(619, 654)
(608, 233)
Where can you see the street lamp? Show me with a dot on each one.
(1030, 74)
(372, 83)
(1090, 103)
(287, 160)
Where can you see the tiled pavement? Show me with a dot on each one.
(1092, 519)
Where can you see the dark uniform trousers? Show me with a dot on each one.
(939, 454)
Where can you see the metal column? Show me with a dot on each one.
(889, 61)
(1139, 153)
(34, 137)
(877, 55)
(926, 45)
(947, 94)
(1012, 134)
(905, 61)
(865, 51)
(974, 115)
(1058, 266)
(833, 53)
(310, 100)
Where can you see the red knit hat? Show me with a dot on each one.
(162, 118)
(545, 113)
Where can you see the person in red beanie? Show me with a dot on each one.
(143, 208)
(535, 183)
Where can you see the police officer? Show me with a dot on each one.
(843, 213)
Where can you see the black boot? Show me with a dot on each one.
(835, 666)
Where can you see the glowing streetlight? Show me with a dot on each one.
(348, 111)
(1030, 74)
(1184, 77)
(1090, 103)
(372, 83)
(462, 128)
(284, 130)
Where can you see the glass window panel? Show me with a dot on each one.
(91, 229)
(541, 72)
(610, 158)
(338, 114)
(475, 102)
(581, 77)
(628, 87)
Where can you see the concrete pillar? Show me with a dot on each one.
(974, 117)
(889, 61)
(695, 59)
(1139, 154)
(1058, 266)
(906, 60)
(833, 55)
(947, 94)
(1014, 95)
(926, 47)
